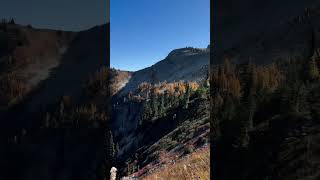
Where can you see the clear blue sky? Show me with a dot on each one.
(143, 32)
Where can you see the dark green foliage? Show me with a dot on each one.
(111, 146)
(185, 98)
(162, 105)
(159, 104)
(4, 40)
(202, 91)
(154, 103)
(313, 69)
(314, 100)
(265, 133)
(12, 22)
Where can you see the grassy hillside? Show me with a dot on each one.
(170, 118)
(27, 57)
(118, 79)
(194, 166)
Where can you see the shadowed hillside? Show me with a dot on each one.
(264, 93)
(54, 117)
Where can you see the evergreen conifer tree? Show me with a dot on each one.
(313, 69)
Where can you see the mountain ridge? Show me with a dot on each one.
(187, 64)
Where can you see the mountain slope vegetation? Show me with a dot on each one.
(162, 110)
(264, 104)
(54, 103)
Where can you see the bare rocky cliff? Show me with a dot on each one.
(186, 64)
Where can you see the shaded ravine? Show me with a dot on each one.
(87, 53)
(57, 153)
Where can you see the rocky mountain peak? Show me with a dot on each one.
(187, 51)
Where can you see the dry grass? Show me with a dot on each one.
(12, 89)
(118, 80)
(196, 166)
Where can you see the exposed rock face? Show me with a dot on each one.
(188, 64)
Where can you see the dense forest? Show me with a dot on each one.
(265, 119)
